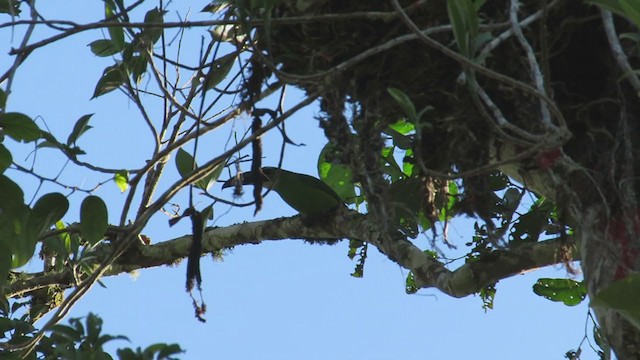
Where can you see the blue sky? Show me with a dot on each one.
(277, 300)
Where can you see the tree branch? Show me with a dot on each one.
(428, 272)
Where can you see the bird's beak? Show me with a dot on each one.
(240, 178)
(247, 178)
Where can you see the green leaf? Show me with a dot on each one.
(5, 263)
(47, 211)
(404, 142)
(227, 33)
(11, 7)
(339, 177)
(112, 78)
(407, 202)
(622, 296)
(81, 126)
(116, 33)
(405, 103)
(64, 237)
(3, 99)
(568, 291)
(151, 35)
(104, 48)
(137, 66)
(121, 178)
(631, 10)
(65, 332)
(216, 6)
(410, 286)
(208, 181)
(464, 20)
(19, 127)
(612, 5)
(185, 163)
(511, 199)
(219, 70)
(11, 195)
(93, 219)
(403, 127)
(5, 158)
(459, 30)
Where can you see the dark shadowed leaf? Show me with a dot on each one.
(184, 163)
(207, 182)
(622, 296)
(405, 103)
(219, 70)
(116, 33)
(19, 127)
(81, 126)
(112, 78)
(137, 66)
(5, 158)
(3, 98)
(11, 7)
(568, 291)
(5, 264)
(93, 219)
(103, 48)
(47, 211)
(215, 6)
(11, 195)
(150, 34)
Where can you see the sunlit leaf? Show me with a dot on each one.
(410, 286)
(339, 177)
(568, 291)
(93, 219)
(403, 126)
(121, 178)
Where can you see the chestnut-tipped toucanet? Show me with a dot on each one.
(308, 195)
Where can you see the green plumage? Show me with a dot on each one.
(308, 195)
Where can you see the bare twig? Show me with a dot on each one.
(618, 52)
(562, 131)
(536, 73)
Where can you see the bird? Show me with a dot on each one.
(306, 194)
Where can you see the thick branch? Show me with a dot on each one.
(428, 272)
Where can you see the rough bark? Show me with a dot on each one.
(428, 272)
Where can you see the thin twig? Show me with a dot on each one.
(536, 73)
(618, 52)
